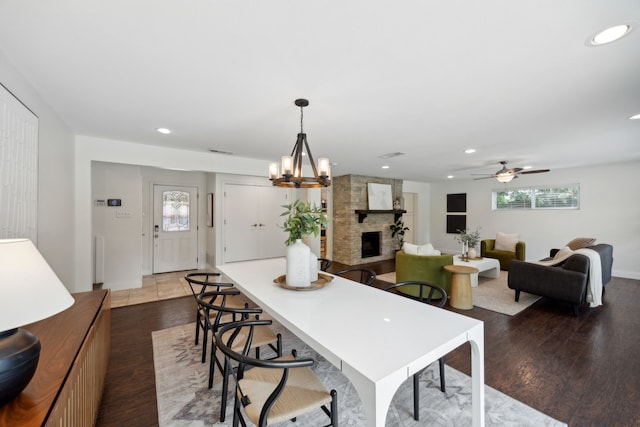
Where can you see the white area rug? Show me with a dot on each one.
(185, 400)
(490, 294)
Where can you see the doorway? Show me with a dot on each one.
(175, 228)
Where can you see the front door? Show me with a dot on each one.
(175, 228)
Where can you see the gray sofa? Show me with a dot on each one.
(565, 282)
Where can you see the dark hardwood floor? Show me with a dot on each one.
(584, 371)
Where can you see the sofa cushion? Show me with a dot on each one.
(581, 242)
(506, 242)
(425, 250)
(410, 248)
(563, 253)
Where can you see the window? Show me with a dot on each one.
(175, 211)
(565, 197)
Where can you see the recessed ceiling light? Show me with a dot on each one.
(470, 150)
(164, 131)
(635, 117)
(609, 35)
(385, 167)
(449, 176)
(527, 167)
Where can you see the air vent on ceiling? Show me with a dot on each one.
(213, 150)
(390, 155)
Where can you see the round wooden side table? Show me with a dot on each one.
(461, 286)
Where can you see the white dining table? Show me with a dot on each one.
(377, 339)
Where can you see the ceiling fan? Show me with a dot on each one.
(506, 175)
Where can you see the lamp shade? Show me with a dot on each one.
(29, 289)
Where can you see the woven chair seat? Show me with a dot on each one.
(262, 335)
(303, 392)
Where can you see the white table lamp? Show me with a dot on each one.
(29, 291)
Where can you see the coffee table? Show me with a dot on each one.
(487, 267)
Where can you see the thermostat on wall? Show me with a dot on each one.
(114, 202)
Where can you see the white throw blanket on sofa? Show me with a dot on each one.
(594, 284)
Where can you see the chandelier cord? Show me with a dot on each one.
(301, 116)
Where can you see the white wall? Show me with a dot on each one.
(121, 227)
(609, 211)
(422, 189)
(55, 177)
(90, 149)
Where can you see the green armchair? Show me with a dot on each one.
(487, 250)
(424, 268)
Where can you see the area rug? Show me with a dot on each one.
(490, 294)
(184, 399)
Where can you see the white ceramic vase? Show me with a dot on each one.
(313, 267)
(298, 269)
(472, 253)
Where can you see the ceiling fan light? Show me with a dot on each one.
(505, 177)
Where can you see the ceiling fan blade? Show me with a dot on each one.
(514, 170)
(484, 177)
(535, 171)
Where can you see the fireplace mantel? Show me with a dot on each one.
(362, 213)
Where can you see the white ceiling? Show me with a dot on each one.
(512, 79)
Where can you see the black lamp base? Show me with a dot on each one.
(19, 354)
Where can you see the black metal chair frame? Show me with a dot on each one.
(433, 293)
(324, 263)
(246, 362)
(206, 285)
(237, 314)
(367, 276)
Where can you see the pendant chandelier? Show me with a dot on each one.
(290, 172)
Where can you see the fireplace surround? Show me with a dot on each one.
(350, 195)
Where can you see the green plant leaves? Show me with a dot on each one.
(302, 219)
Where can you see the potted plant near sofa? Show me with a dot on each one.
(397, 231)
(469, 242)
(301, 220)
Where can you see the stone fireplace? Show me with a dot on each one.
(370, 243)
(350, 195)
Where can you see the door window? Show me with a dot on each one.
(175, 211)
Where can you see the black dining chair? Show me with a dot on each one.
(429, 294)
(362, 275)
(272, 391)
(263, 336)
(324, 264)
(203, 282)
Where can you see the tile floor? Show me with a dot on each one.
(154, 288)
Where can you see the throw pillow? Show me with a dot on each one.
(581, 242)
(424, 250)
(410, 249)
(506, 242)
(563, 253)
(427, 250)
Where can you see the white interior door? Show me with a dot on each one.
(271, 235)
(175, 228)
(240, 223)
(251, 222)
(409, 218)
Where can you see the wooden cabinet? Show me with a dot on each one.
(67, 386)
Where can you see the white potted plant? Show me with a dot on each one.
(301, 220)
(469, 242)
